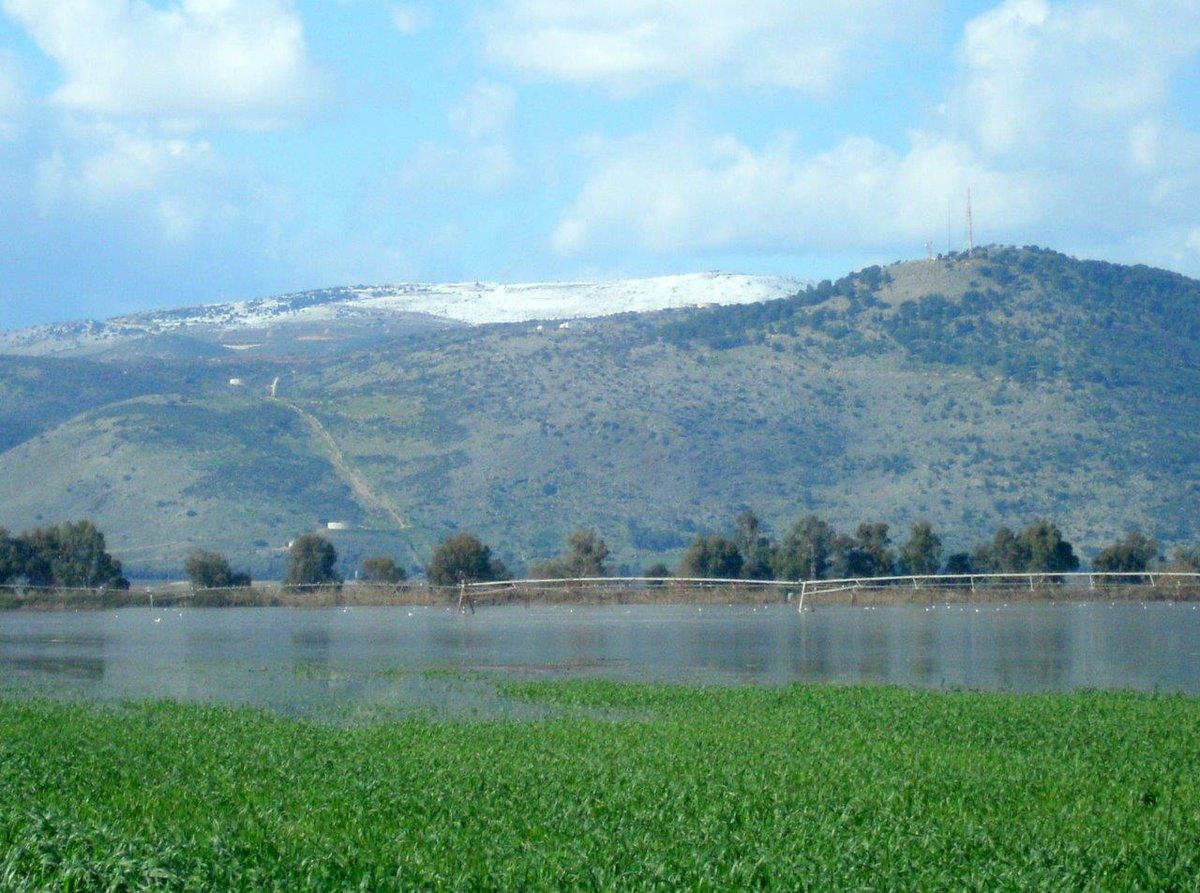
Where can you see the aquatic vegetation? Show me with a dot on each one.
(625, 787)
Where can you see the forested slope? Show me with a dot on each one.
(966, 391)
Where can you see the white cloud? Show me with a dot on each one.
(1040, 78)
(478, 164)
(174, 184)
(679, 192)
(101, 219)
(812, 46)
(11, 96)
(241, 62)
(1082, 93)
(1059, 117)
(410, 19)
(485, 111)
(435, 175)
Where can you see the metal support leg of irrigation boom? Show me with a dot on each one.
(464, 596)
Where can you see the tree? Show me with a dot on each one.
(208, 570)
(463, 558)
(73, 554)
(658, 570)
(586, 554)
(550, 569)
(842, 560)
(959, 564)
(804, 551)
(1134, 553)
(1186, 559)
(312, 562)
(1039, 548)
(754, 547)
(12, 559)
(871, 555)
(585, 557)
(711, 557)
(82, 559)
(381, 569)
(38, 548)
(1003, 555)
(1046, 549)
(921, 554)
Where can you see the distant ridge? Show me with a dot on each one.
(413, 305)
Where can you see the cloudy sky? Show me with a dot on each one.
(155, 153)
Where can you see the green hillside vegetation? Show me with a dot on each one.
(36, 394)
(970, 392)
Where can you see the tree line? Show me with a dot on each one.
(812, 548)
(74, 555)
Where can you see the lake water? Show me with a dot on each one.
(376, 660)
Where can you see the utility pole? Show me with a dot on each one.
(970, 227)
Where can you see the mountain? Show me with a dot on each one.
(337, 319)
(967, 391)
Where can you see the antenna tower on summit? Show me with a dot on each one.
(970, 227)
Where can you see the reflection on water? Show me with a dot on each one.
(372, 658)
(50, 665)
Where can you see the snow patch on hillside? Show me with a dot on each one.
(491, 302)
(474, 303)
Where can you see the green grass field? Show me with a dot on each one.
(627, 788)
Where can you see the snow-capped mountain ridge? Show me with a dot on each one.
(472, 303)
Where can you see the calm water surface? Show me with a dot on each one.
(377, 658)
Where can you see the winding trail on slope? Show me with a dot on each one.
(362, 490)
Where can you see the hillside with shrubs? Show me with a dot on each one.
(971, 393)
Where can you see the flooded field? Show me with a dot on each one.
(390, 659)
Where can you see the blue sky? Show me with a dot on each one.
(156, 153)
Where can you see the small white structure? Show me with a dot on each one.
(338, 525)
(564, 325)
(236, 382)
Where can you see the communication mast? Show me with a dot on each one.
(970, 227)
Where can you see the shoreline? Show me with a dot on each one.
(369, 595)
